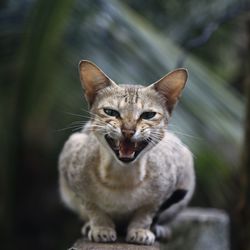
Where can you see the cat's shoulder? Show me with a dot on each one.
(80, 142)
(85, 136)
(72, 146)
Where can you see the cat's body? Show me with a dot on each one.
(124, 168)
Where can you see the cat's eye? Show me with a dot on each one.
(147, 115)
(111, 112)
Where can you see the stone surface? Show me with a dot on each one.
(193, 229)
(199, 229)
(84, 245)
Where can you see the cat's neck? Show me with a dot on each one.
(118, 175)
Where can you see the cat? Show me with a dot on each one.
(125, 169)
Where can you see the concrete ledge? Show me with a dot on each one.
(199, 229)
(85, 245)
(193, 229)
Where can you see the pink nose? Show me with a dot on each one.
(128, 133)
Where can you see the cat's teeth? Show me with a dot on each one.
(117, 143)
(132, 155)
(126, 149)
(136, 144)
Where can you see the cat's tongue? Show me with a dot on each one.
(126, 149)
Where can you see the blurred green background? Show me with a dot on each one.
(41, 43)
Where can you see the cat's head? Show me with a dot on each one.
(129, 119)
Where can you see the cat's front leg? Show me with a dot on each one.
(100, 227)
(139, 228)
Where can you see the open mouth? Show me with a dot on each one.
(125, 149)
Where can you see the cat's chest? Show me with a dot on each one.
(126, 199)
(123, 199)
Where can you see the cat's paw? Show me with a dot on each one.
(140, 236)
(102, 234)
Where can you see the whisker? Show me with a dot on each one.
(179, 133)
(78, 122)
(68, 128)
(187, 135)
(78, 115)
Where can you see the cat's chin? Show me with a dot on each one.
(126, 150)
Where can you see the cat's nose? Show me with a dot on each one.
(128, 133)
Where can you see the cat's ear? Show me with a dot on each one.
(92, 79)
(171, 86)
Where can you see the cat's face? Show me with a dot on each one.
(129, 119)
